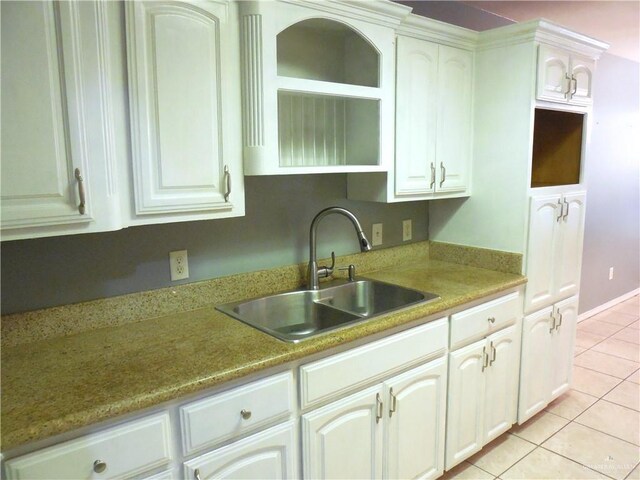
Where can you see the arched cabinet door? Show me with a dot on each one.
(553, 74)
(184, 79)
(582, 69)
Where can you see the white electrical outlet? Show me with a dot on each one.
(406, 230)
(610, 273)
(376, 234)
(179, 263)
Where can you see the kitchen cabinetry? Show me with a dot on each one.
(547, 356)
(393, 429)
(483, 376)
(57, 164)
(112, 453)
(556, 231)
(434, 93)
(318, 83)
(564, 77)
(184, 82)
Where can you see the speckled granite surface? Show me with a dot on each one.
(507, 262)
(60, 384)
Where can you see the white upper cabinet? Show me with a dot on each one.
(184, 85)
(564, 77)
(318, 84)
(57, 172)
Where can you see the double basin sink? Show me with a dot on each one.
(297, 315)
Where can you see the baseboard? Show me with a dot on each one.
(609, 304)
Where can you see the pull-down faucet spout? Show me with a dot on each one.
(314, 272)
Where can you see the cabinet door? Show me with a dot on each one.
(465, 403)
(553, 74)
(344, 438)
(270, 454)
(416, 422)
(569, 246)
(562, 342)
(545, 215)
(185, 108)
(501, 397)
(416, 111)
(535, 364)
(453, 142)
(582, 76)
(43, 117)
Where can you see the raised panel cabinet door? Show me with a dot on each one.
(569, 245)
(270, 454)
(416, 415)
(344, 439)
(563, 339)
(582, 69)
(545, 217)
(553, 74)
(183, 60)
(453, 141)
(43, 119)
(501, 397)
(416, 113)
(535, 363)
(465, 403)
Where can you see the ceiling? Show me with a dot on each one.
(614, 22)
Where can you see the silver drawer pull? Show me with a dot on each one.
(196, 474)
(443, 172)
(81, 207)
(246, 414)
(379, 407)
(564, 217)
(485, 358)
(433, 176)
(227, 179)
(561, 210)
(492, 319)
(394, 402)
(494, 354)
(99, 466)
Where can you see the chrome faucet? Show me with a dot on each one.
(314, 272)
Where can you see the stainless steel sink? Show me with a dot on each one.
(294, 316)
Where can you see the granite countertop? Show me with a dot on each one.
(60, 384)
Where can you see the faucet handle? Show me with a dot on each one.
(324, 272)
(352, 271)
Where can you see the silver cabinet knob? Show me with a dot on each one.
(196, 474)
(492, 319)
(246, 414)
(99, 466)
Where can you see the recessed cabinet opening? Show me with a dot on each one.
(329, 51)
(323, 130)
(557, 148)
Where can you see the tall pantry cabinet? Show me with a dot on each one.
(532, 109)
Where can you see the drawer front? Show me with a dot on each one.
(345, 372)
(214, 419)
(127, 450)
(484, 319)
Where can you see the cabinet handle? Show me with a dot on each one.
(575, 85)
(567, 93)
(443, 173)
(553, 325)
(492, 319)
(394, 402)
(379, 407)
(196, 474)
(561, 210)
(81, 207)
(246, 414)
(564, 217)
(99, 466)
(485, 358)
(433, 176)
(560, 321)
(494, 354)
(227, 181)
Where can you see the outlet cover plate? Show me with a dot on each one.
(406, 230)
(179, 264)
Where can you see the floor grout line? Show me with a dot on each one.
(575, 461)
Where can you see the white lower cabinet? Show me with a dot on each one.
(547, 356)
(270, 454)
(482, 396)
(391, 430)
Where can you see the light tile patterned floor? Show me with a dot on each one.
(593, 431)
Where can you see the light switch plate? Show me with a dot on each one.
(376, 234)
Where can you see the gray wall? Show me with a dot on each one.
(58, 270)
(612, 230)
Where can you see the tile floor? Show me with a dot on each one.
(592, 431)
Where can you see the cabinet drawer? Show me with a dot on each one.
(477, 322)
(348, 371)
(127, 450)
(220, 417)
